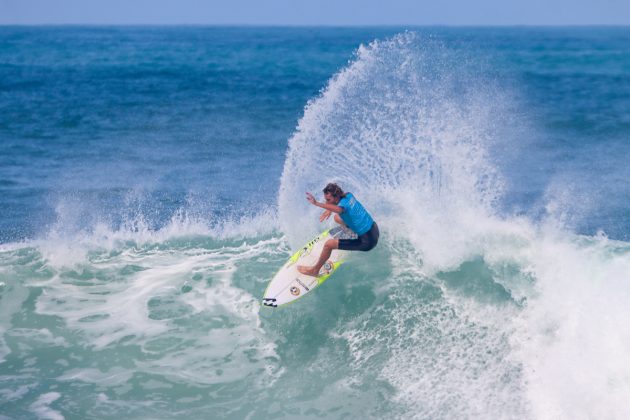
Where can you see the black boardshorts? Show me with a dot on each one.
(364, 242)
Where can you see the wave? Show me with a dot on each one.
(484, 313)
(462, 311)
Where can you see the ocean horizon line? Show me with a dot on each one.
(325, 25)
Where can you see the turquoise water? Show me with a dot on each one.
(152, 182)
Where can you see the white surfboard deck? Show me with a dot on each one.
(289, 285)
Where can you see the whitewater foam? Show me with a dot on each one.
(138, 297)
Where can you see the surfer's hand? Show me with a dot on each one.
(325, 215)
(311, 199)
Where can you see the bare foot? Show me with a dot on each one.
(309, 271)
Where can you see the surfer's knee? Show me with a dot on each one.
(331, 244)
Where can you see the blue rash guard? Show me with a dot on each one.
(354, 215)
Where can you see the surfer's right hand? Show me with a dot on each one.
(325, 215)
(311, 199)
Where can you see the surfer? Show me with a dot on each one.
(349, 213)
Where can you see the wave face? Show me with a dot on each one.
(480, 315)
(494, 291)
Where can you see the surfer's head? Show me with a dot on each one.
(333, 193)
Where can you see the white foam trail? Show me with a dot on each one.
(41, 407)
(64, 246)
(446, 356)
(555, 349)
(111, 377)
(572, 336)
(142, 297)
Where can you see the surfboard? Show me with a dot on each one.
(289, 285)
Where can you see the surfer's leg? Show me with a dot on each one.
(314, 270)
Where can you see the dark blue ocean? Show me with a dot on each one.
(152, 182)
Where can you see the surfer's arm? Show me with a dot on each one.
(325, 215)
(329, 207)
(325, 206)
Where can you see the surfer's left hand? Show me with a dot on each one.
(325, 215)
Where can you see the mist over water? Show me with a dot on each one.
(498, 288)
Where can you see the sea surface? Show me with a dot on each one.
(152, 182)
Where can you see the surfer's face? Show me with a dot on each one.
(330, 199)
